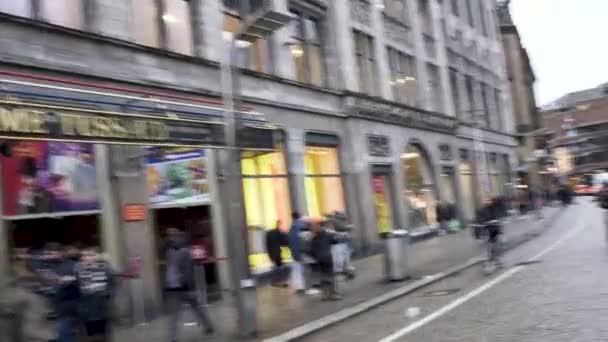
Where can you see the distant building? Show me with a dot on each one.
(581, 128)
(527, 122)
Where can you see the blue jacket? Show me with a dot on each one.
(295, 245)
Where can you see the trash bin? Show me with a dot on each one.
(395, 254)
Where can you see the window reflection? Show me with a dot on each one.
(178, 25)
(145, 23)
(419, 194)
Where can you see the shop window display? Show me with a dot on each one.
(323, 181)
(419, 194)
(267, 203)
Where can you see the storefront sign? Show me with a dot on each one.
(46, 177)
(177, 176)
(401, 115)
(34, 121)
(134, 212)
(378, 145)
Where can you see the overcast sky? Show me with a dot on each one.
(567, 41)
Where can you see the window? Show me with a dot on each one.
(67, 13)
(498, 103)
(306, 49)
(396, 9)
(419, 195)
(366, 63)
(403, 76)
(434, 88)
(424, 12)
(485, 103)
(468, 82)
(22, 8)
(470, 18)
(265, 189)
(163, 24)
(455, 9)
(253, 56)
(323, 182)
(455, 91)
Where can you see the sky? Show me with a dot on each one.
(567, 41)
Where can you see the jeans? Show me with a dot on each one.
(67, 329)
(175, 300)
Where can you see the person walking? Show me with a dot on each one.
(275, 239)
(295, 246)
(61, 274)
(320, 249)
(96, 281)
(180, 285)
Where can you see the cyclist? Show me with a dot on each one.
(489, 218)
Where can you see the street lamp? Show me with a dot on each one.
(257, 25)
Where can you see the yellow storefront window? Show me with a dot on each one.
(323, 182)
(266, 196)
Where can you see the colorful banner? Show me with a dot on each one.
(46, 177)
(177, 176)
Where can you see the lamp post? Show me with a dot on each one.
(257, 24)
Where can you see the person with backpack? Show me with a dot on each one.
(96, 281)
(320, 249)
(180, 284)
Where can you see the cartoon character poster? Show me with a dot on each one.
(46, 177)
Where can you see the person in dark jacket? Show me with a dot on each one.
(179, 284)
(96, 281)
(61, 275)
(275, 239)
(295, 246)
(320, 250)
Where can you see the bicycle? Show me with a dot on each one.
(493, 246)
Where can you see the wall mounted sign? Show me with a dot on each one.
(134, 212)
(400, 115)
(378, 145)
(445, 152)
(32, 121)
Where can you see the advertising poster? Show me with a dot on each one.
(381, 204)
(47, 177)
(177, 176)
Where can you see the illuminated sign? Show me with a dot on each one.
(134, 212)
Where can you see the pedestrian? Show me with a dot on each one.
(61, 274)
(320, 250)
(295, 246)
(275, 239)
(442, 217)
(96, 281)
(180, 285)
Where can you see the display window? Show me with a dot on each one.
(323, 182)
(419, 194)
(466, 190)
(267, 202)
(381, 187)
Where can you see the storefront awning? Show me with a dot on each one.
(30, 111)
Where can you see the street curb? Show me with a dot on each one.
(347, 313)
(344, 314)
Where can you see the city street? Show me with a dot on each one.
(552, 289)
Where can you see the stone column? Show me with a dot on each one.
(294, 157)
(139, 237)
(377, 24)
(218, 225)
(342, 43)
(207, 23)
(110, 18)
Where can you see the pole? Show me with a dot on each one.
(231, 196)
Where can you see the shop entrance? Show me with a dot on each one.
(382, 185)
(195, 222)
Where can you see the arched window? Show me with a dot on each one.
(419, 194)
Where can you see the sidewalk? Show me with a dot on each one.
(278, 311)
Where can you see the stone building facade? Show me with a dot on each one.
(385, 108)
